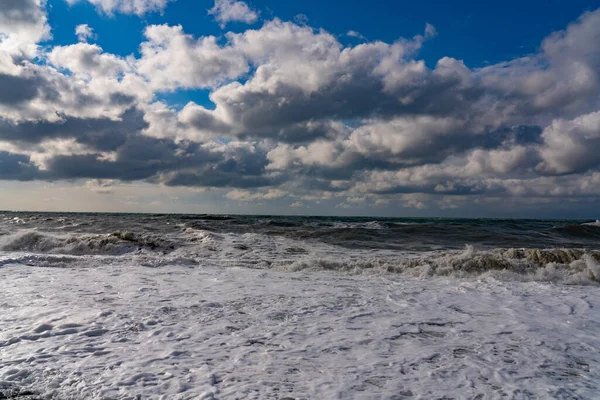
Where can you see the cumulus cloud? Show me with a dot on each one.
(201, 63)
(52, 96)
(306, 78)
(23, 23)
(138, 7)
(226, 11)
(84, 32)
(571, 146)
(88, 61)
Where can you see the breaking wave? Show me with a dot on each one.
(116, 243)
(595, 223)
(570, 266)
(181, 244)
(567, 266)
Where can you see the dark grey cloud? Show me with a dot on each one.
(173, 164)
(283, 112)
(138, 158)
(102, 134)
(18, 167)
(15, 89)
(209, 177)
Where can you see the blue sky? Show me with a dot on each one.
(462, 108)
(478, 32)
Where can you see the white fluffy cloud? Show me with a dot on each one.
(572, 145)
(88, 60)
(302, 75)
(84, 32)
(226, 11)
(200, 63)
(23, 23)
(138, 7)
(78, 81)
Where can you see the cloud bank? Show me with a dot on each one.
(298, 115)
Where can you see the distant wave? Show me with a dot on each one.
(596, 223)
(207, 217)
(588, 229)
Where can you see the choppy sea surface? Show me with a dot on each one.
(124, 306)
(560, 251)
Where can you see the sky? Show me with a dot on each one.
(388, 108)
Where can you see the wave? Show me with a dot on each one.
(206, 217)
(596, 223)
(587, 230)
(570, 266)
(116, 243)
(202, 248)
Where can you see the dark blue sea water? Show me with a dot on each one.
(409, 234)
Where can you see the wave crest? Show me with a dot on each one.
(116, 243)
(571, 266)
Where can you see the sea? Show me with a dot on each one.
(140, 306)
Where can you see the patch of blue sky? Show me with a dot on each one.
(180, 98)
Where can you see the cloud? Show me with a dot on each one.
(226, 11)
(100, 186)
(84, 32)
(245, 195)
(415, 200)
(356, 34)
(200, 63)
(88, 61)
(23, 23)
(571, 146)
(214, 164)
(77, 81)
(138, 7)
(304, 78)
(17, 167)
(16, 89)
(102, 134)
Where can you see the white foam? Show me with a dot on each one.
(596, 223)
(121, 331)
(358, 225)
